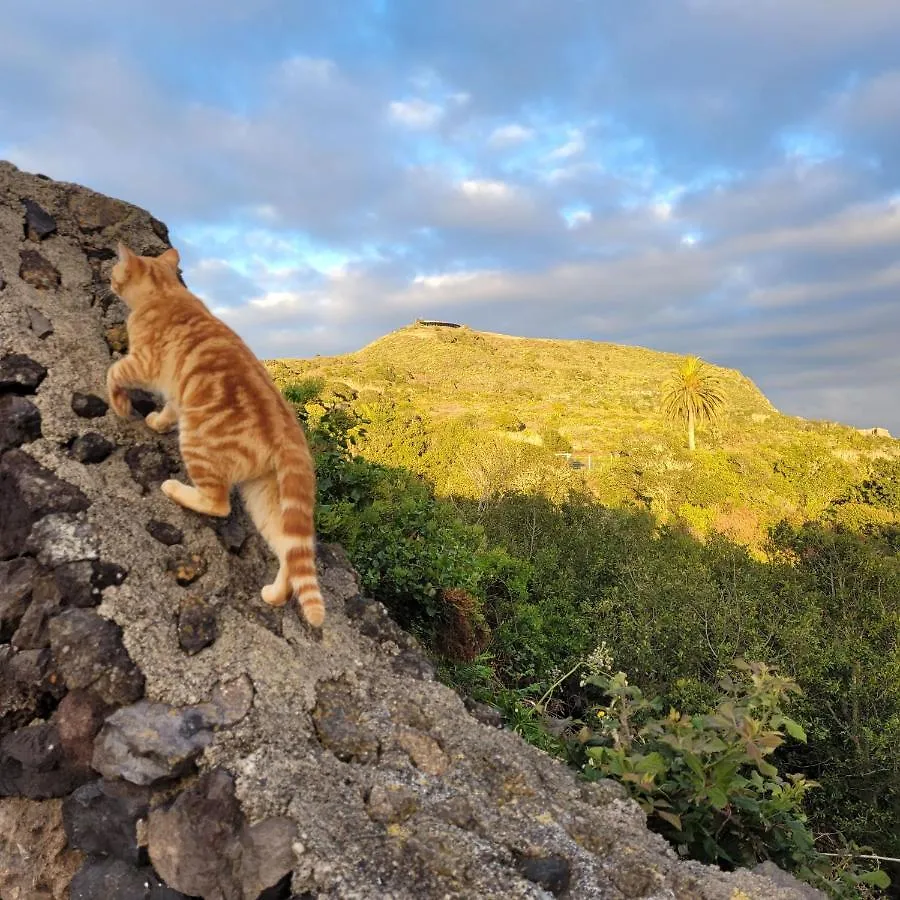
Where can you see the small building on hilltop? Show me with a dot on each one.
(435, 322)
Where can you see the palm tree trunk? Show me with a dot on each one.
(692, 444)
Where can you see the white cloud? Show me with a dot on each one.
(577, 218)
(662, 210)
(485, 188)
(507, 135)
(277, 298)
(300, 70)
(573, 147)
(416, 113)
(447, 279)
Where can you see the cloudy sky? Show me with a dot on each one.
(719, 177)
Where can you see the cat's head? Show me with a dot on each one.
(133, 276)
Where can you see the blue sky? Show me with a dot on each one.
(703, 176)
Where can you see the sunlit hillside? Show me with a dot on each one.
(601, 402)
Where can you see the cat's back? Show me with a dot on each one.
(214, 357)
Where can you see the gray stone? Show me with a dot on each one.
(201, 844)
(392, 802)
(339, 718)
(485, 713)
(151, 742)
(91, 448)
(232, 532)
(552, 873)
(28, 492)
(94, 212)
(37, 271)
(89, 652)
(33, 631)
(15, 592)
(88, 406)
(150, 464)
(76, 583)
(101, 818)
(62, 538)
(107, 878)
(197, 626)
(29, 685)
(165, 532)
(232, 699)
(39, 224)
(20, 422)
(413, 664)
(20, 374)
(34, 765)
(39, 323)
(786, 880)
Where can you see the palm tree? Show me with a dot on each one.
(692, 394)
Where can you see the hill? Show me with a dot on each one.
(600, 401)
(599, 390)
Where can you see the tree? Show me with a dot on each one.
(692, 394)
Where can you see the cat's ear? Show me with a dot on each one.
(125, 255)
(171, 258)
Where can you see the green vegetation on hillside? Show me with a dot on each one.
(470, 411)
(777, 541)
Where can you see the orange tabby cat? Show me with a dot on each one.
(235, 428)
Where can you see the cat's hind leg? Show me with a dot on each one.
(210, 496)
(262, 503)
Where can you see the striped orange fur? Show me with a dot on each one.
(234, 426)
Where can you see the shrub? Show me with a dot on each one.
(299, 393)
(881, 488)
(707, 782)
(554, 441)
(508, 421)
(704, 780)
(463, 633)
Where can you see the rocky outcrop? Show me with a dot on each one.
(163, 734)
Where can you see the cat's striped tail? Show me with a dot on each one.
(297, 496)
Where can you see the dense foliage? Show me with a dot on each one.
(514, 572)
(480, 414)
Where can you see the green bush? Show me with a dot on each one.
(299, 393)
(707, 782)
(881, 488)
(508, 421)
(554, 441)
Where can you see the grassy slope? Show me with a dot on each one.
(603, 397)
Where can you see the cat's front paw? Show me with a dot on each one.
(120, 402)
(155, 421)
